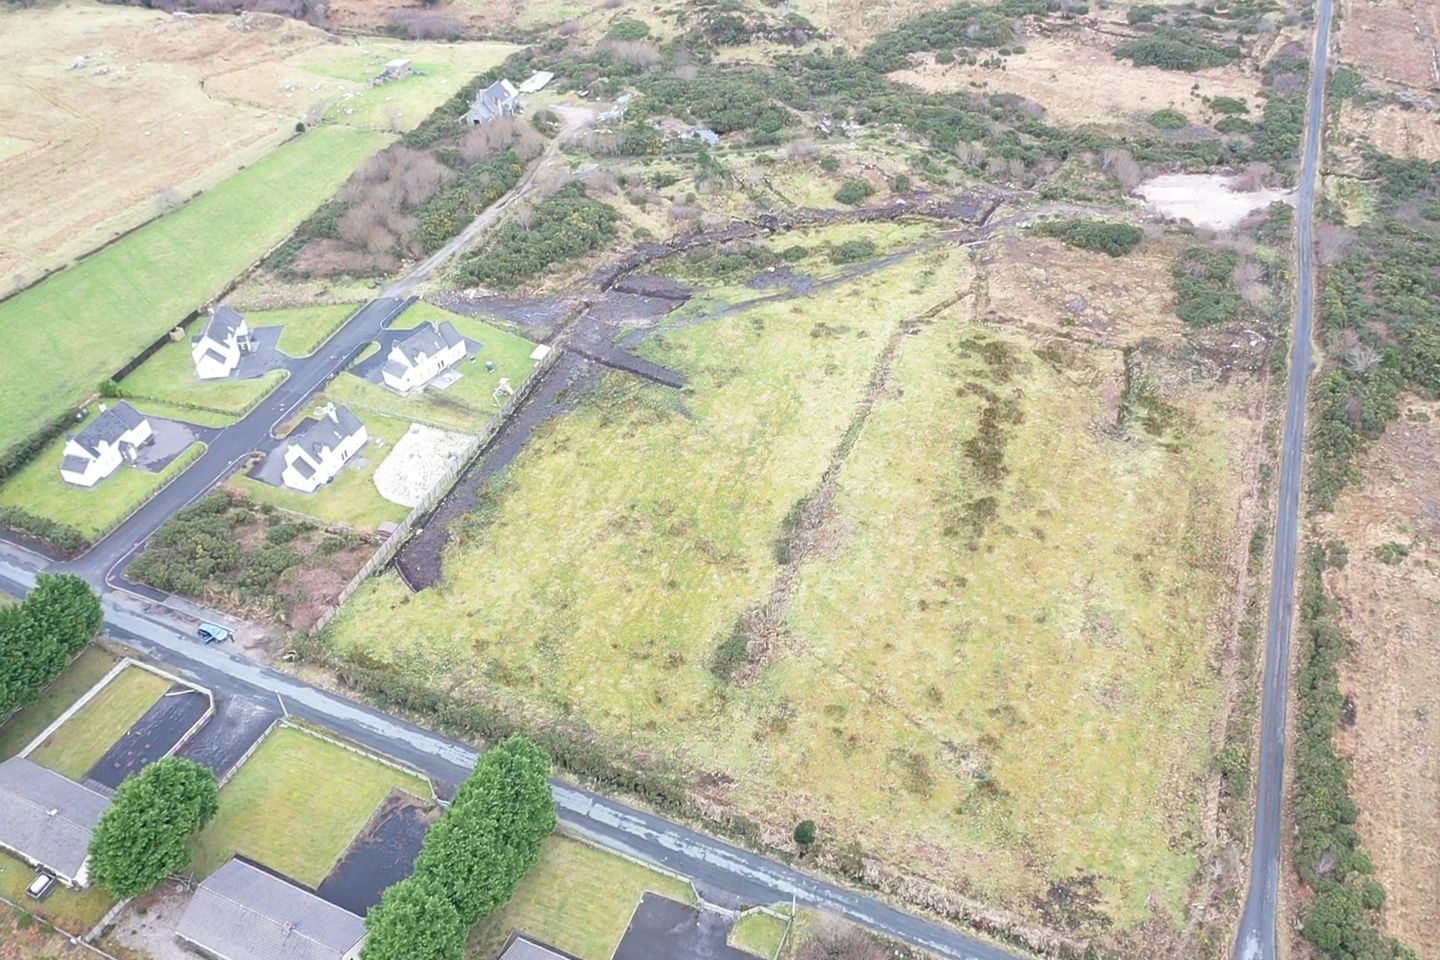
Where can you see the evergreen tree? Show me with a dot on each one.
(141, 839)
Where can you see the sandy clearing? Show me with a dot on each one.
(1078, 83)
(417, 462)
(1206, 200)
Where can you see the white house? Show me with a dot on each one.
(422, 355)
(217, 350)
(316, 450)
(500, 99)
(111, 439)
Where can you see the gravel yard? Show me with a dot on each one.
(418, 461)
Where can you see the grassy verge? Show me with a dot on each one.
(305, 327)
(93, 511)
(296, 805)
(578, 898)
(82, 674)
(468, 404)
(83, 739)
(758, 933)
(351, 498)
(78, 327)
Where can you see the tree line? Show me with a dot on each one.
(40, 636)
(472, 860)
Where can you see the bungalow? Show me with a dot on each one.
(48, 820)
(422, 355)
(217, 350)
(243, 912)
(500, 99)
(316, 450)
(110, 439)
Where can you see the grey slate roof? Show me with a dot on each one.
(428, 339)
(315, 435)
(521, 947)
(108, 427)
(244, 913)
(494, 102)
(47, 818)
(222, 324)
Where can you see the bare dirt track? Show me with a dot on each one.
(1391, 681)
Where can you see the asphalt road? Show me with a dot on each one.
(721, 872)
(1257, 937)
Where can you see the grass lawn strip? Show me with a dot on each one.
(305, 327)
(578, 898)
(467, 405)
(38, 488)
(758, 933)
(351, 498)
(73, 912)
(401, 104)
(296, 805)
(76, 328)
(83, 739)
(25, 725)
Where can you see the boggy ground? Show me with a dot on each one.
(901, 560)
(1389, 592)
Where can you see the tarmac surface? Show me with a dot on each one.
(152, 737)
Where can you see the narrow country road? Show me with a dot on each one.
(1257, 937)
(721, 872)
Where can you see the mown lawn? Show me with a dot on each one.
(305, 327)
(83, 673)
(1004, 637)
(758, 933)
(351, 498)
(93, 511)
(295, 806)
(83, 739)
(578, 898)
(75, 913)
(467, 405)
(67, 334)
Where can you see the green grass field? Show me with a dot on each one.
(83, 673)
(578, 898)
(351, 498)
(467, 405)
(67, 334)
(296, 805)
(83, 739)
(438, 70)
(1021, 692)
(75, 913)
(758, 933)
(305, 327)
(39, 489)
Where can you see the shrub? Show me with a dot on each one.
(1103, 236)
(852, 251)
(805, 832)
(299, 126)
(629, 30)
(565, 226)
(1168, 119)
(141, 838)
(963, 25)
(829, 163)
(1205, 286)
(1391, 553)
(1175, 48)
(21, 452)
(1228, 105)
(900, 183)
(39, 636)
(854, 192)
(413, 921)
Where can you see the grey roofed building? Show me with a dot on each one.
(426, 340)
(245, 913)
(500, 99)
(47, 819)
(324, 432)
(222, 325)
(109, 427)
(521, 947)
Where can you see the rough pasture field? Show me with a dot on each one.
(78, 327)
(1393, 41)
(95, 150)
(895, 528)
(1389, 591)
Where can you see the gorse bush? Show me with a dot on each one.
(1176, 48)
(1102, 236)
(963, 25)
(1168, 119)
(1205, 286)
(564, 226)
(854, 192)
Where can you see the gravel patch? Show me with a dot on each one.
(1206, 200)
(418, 462)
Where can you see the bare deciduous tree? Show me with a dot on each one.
(1120, 165)
(1332, 242)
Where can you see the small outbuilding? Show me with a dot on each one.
(320, 447)
(243, 912)
(46, 820)
(500, 99)
(397, 69)
(112, 438)
(537, 81)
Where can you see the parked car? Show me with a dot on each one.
(41, 886)
(213, 633)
